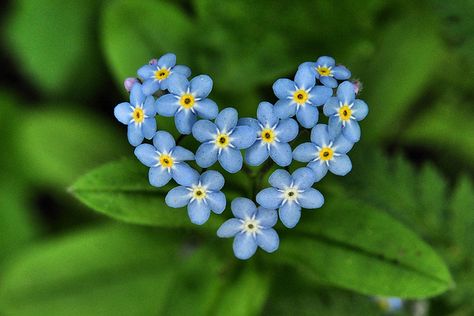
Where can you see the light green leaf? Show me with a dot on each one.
(461, 208)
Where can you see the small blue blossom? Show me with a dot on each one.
(290, 193)
(186, 101)
(327, 72)
(344, 111)
(300, 97)
(157, 73)
(325, 152)
(138, 114)
(273, 136)
(389, 304)
(222, 141)
(251, 228)
(166, 161)
(202, 196)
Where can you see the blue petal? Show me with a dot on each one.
(177, 85)
(178, 197)
(216, 201)
(283, 88)
(342, 145)
(360, 110)
(231, 160)
(212, 180)
(331, 106)
(303, 178)
(320, 169)
(243, 208)
(346, 92)
(123, 113)
(206, 108)
(184, 121)
(307, 115)
(201, 86)
(167, 105)
(183, 174)
(134, 134)
(229, 228)
(204, 131)
(340, 165)
(146, 72)
(266, 218)
(281, 154)
(305, 152)
(149, 127)
(334, 126)
(320, 135)
(158, 176)
(290, 214)
(150, 86)
(287, 130)
(247, 121)
(311, 199)
(244, 246)
(167, 61)
(268, 240)
(147, 155)
(243, 137)
(182, 70)
(270, 198)
(319, 95)
(226, 120)
(149, 106)
(163, 141)
(280, 179)
(309, 64)
(136, 95)
(329, 82)
(285, 108)
(351, 131)
(305, 78)
(182, 154)
(206, 155)
(198, 212)
(325, 61)
(341, 73)
(256, 154)
(266, 115)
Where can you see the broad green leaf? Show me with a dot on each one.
(121, 190)
(355, 246)
(62, 143)
(107, 270)
(51, 41)
(461, 208)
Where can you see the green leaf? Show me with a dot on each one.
(355, 246)
(461, 209)
(51, 42)
(107, 270)
(121, 190)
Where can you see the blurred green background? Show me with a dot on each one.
(63, 65)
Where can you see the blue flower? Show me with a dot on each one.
(344, 111)
(186, 101)
(325, 152)
(157, 73)
(273, 136)
(166, 161)
(327, 72)
(251, 228)
(222, 141)
(201, 197)
(139, 115)
(300, 97)
(290, 193)
(389, 304)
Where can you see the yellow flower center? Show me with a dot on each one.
(291, 194)
(326, 153)
(345, 112)
(222, 140)
(187, 101)
(324, 71)
(199, 193)
(268, 135)
(161, 74)
(166, 161)
(300, 96)
(138, 115)
(251, 225)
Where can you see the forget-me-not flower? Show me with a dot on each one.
(327, 72)
(273, 136)
(166, 161)
(300, 97)
(251, 228)
(344, 111)
(290, 193)
(222, 141)
(138, 114)
(186, 101)
(202, 196)
(389, 304)
(157, 73)
(325, 152)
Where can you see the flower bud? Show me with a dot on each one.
(129, 82)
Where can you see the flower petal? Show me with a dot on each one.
(206, 108)
(331, 106)
(290, 214)
(270, 198)
(184, 121)
(183, 174)
(243, 137)
(329, 82)
(134, 134)
(149, 106)
(341, 73)
(268, 240)
(320, 135)
(167, 61)
(201, 86)
(243, 208)
(305, 152)
(285, 108)
(266, 115)
(123, 113)
(150, 86)
(280, 179)
(326, 61)
(256, 154)
(167, 105)
(247, 121)
(311, 199)
(319, 95)
(281, 154)
(146, 72)
(177, 85)
(360, 109)
(136, 95)
(158, 176)
(226, 120)
(182, 70)
(229, 228)
(147, 154)
(342, 145)
(231, 160)
(334, 126)
(307, 115)
(303, 178)
(340, 165)
(346, 92)
(305, 78)
(244, 246)
(283, 88)
(320, 169)
(206, 155)
(178, 197)
(212, 180)
(216, 201)
(182, 154)
(266, 217)
(204, 131)
(149, 127)
(163, 141)
(198, 212)
(287, 130)
(351, 131)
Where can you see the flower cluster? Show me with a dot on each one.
(162, 88)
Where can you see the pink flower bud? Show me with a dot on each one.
(153, 62)
(129, 82)
(357, 86)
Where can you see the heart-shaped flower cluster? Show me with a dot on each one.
(163, 89)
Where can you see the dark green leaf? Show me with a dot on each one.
(461, 209)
